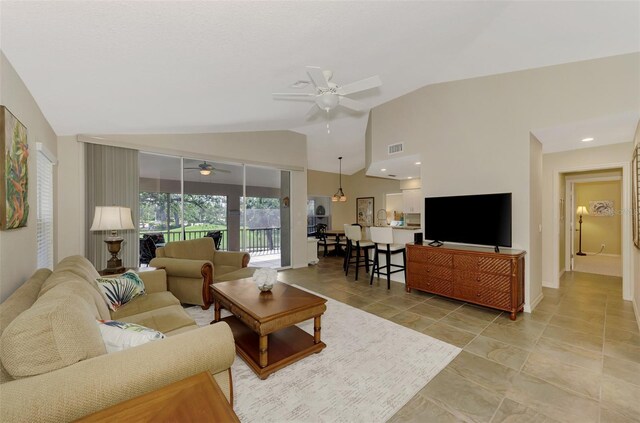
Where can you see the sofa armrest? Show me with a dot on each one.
(237, 259)
(154, 280)
(95, 384)
(181, 271)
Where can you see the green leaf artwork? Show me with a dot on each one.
(14, 209)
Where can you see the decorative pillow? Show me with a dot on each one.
(118, 336)
(121, 289)
(53, 333)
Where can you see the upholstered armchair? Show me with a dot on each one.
(192, 266)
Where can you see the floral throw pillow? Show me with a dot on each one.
(118, 336)
(121, 289)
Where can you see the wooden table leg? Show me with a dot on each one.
(263, 351)
(316, 329)
(216, 311)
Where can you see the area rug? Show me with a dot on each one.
(370, 368)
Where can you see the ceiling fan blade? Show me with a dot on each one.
(363, 84)
(294, 94)
(215, 170)
(352, 104)
(317, 77)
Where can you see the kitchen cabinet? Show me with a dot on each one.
(412, 200)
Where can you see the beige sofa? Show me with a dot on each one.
(54, 363)
(192, 266)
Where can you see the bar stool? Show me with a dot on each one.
(383, 240)
(354, 235)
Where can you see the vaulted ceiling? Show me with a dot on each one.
(192, 67)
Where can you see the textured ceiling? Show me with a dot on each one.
(173, 67)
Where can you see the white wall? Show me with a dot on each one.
(282, 149)
(570, 161)
(18, 247)
(474, 135)
(534, 256)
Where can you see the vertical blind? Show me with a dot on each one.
(112, 180)
(44, 220)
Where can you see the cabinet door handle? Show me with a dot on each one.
(478, 294)
(478, 278)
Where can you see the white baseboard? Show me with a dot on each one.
(561, 274)
(528, 308)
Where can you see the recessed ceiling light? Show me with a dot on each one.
(408, 177)
(418, 163)
(587, 139)
(383, 170)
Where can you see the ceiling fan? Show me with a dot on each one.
(329, 95)
(206, 169)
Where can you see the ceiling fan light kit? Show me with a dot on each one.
(339, 195)
(207, 169)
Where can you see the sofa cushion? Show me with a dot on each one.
(76, 265)
(53, 333)
(164, 319)
(245, 272)
(121, 289)
(68, 283)
(145, 303)
(119, 336)
(19, 301)
(194, 249)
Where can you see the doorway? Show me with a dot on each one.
(594, 233)
(563, 218)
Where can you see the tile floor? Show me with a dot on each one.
(575, 358)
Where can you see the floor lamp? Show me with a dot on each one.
(581, 210)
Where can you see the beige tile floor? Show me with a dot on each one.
(576, 358)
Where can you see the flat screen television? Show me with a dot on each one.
(469, 219)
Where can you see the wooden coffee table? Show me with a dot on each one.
(263, 323)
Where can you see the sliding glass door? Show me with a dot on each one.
(242, 207)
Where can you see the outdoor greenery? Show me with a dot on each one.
(202, 212)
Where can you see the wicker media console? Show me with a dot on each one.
(473, 274)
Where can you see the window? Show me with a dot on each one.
(44, 220)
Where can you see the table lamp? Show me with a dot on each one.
(113, 219)
(581, 210)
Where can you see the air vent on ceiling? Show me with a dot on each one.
(391, 176)
(396, 148)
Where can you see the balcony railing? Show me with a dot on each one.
(259, 240)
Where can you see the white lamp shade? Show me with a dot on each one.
(582, 210)
(112, 219)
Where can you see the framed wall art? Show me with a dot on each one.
(601, 208)
(364, 211)
(635, 195)
(14, 172)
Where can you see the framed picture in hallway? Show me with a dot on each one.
(14, 175)
(635, 195)
(364, 211)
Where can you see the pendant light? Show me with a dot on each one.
(339, 195)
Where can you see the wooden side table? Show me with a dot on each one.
(194, 399)
(135, 269)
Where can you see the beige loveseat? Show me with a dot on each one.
(54, 363)
(192, 266)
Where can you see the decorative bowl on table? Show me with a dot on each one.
(265, 278)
